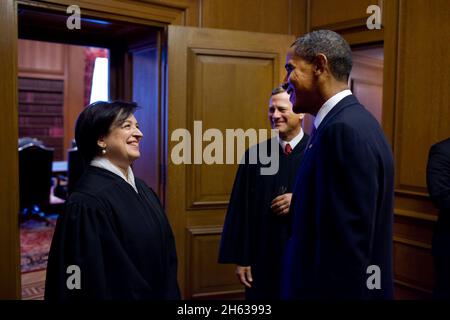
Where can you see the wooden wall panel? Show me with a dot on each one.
(423, 99)
(325, 14)
(299, 18)
(211, 72)
(41, 57)
(413, 262)
(415, 116)
(37, 57)
(210, 279)
(281, 16)
(347, 17)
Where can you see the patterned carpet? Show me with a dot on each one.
(35, 240)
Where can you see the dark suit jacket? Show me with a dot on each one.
(438, 181)
(342, 210)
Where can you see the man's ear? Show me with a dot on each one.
(320, 64)
(301, 116)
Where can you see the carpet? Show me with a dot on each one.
(35, 241)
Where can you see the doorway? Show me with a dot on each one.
(366, 78)
(134, 68)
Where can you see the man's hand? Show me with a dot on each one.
(244, 275)
(281, 204)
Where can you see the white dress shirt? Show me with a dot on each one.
(329, 105)
(293, 142)
(102, 162)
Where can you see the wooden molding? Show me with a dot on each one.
(9, 187)
(412, 243)
(410, 191)
(415, 215)
(141, 12)
(37, 75)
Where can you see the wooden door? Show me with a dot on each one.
(224, 79)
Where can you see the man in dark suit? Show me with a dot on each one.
(438, 181)
(342, 206)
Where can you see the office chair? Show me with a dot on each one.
(75, 168)
(35, 174)
(27, 140)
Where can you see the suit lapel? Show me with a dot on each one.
(341, 105)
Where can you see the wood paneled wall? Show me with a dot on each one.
(268, 16)
(337, 15)
(347, 17)
(417, 107)
(415, 102)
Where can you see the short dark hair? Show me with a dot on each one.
(95, 121)
(277, 90)
(332, 45)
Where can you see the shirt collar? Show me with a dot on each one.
(329, 105)
(102, 162)
(293, 142)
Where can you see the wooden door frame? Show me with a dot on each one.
(161, 14)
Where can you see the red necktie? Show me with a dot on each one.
(287, 149)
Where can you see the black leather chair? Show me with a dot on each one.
(35, 178)
(75, 168)
(27, 140)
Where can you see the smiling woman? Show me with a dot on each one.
(114, 240)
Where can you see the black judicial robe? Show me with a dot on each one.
(120, 240)
(253, 235)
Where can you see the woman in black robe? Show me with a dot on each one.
(114, 240)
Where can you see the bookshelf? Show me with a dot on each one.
(41, 112)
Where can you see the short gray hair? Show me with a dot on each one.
(277, 90)
(332, 45)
